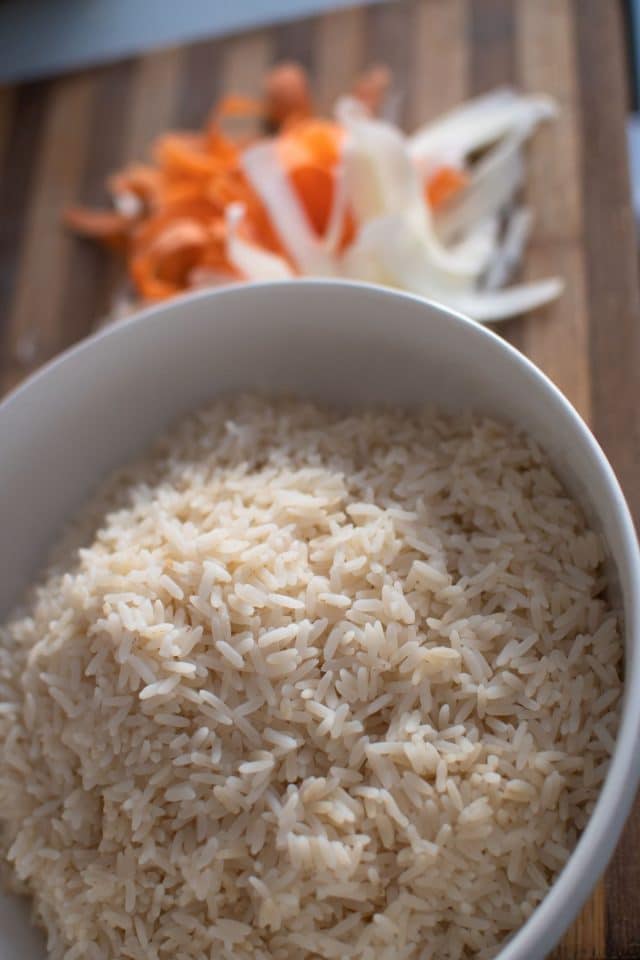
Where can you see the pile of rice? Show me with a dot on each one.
(316, 686)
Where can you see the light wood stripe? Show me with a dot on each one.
(244, 64)
(439, 61)
(556, 338)
(491, 38)
(155, 95)
(546, 64)
(586, 938)
(36, 329)
(340, 54)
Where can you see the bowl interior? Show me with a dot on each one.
(103, 402)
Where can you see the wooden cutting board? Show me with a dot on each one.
(59, 140)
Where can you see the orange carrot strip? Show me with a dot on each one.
(444, 184)
(310, 153)
(139, 179)
(286, 93)
(99, 224)
(234, 105)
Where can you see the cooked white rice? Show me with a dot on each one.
(315, 686)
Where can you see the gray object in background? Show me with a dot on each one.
(44, 37)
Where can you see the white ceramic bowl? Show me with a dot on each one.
(100, 403)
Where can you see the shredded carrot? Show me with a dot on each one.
(444, 184)
(234, 105)
(108, 226)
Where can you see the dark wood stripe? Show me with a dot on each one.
(294, 41)
(7, 98)
(93, 276)
(614, 332)
(493, 64)
(35, 330)
(16, 176)
(200, 83)
(111, 89)
(609, 239)
(492, 39)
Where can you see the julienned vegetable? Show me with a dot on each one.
(434, 213)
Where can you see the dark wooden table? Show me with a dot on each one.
(59, 139)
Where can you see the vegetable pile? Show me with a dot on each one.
(435, 213)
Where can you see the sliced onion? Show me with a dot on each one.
(492, 306)
(380, 177)
(510, 250)
(404, 257)
(255, 263)
(475, 126)
(383, 183)
(333, 233)
(399, 244)
(128, 204)
(389, 252)
(480, 244)
(494, 183)
(264, 170)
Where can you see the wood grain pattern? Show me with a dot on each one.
(35, 331)
(491, 33)
(614, 333)
(558, 341)
(339, 54)
(154, 99)
(7, 98)
(91, 284)
(245, 62)
(199, 83)
(437, 49)
(16, 176)
(59, 140)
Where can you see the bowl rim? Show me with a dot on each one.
(596, 844)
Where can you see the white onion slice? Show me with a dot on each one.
(252, 261)
(264, 170)
(476, 125)
(382, 182)
(333, 233)
(380, 177)
(404, 258)
(492, 306)
(389, 252)
(493, 185)
(480, 243)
